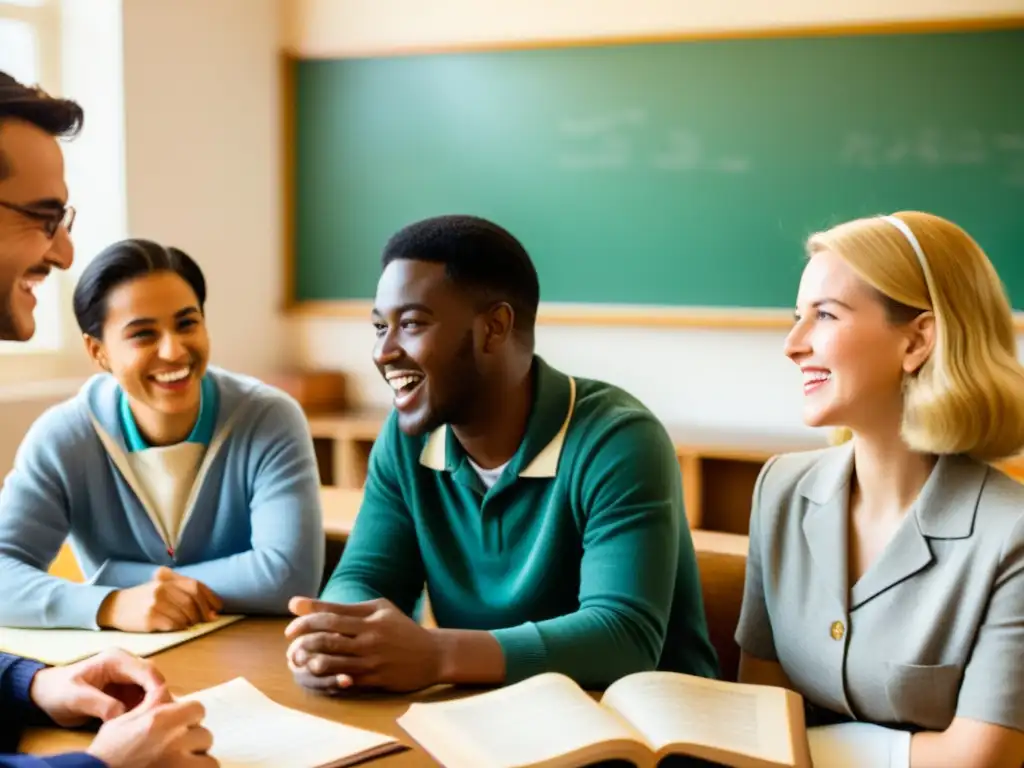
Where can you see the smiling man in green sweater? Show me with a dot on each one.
(543, 512)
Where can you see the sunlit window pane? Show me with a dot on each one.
(18, 52)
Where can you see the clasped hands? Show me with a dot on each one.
(167, 603)
(142, 723)
(369, 645)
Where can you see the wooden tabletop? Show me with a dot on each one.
(255, 649)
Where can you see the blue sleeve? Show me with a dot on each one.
(16, 708)
(287, 555)
(16, 675)
(34, 522)
(69, 760)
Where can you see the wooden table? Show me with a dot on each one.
(255, 649)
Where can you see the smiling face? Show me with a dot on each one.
(427, 344)
(852, 354)
(156, 345)
(34, 183)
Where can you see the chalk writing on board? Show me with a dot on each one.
(1011, 146)
(932, 148)
(622, 139)
(682, 152)
(600, 141)
(734, 164)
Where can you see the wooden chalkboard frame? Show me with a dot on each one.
(582, 314)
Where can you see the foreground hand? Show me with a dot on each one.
(368, 645)
(168, 603)
(104, 687)
(168, 735)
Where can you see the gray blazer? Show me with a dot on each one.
(933, 630)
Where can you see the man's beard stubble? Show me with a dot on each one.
(8, 326)
(465, 390)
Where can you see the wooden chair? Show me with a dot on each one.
(66, 566)
(722, 562)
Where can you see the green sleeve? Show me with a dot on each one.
(382, 556)
(631, 498)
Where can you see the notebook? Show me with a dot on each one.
(57, 647)
(251, 730)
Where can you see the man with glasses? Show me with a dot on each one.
(142, 725)
(33, 200)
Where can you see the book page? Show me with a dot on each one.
(251, 730)
(524, 724)
(57, 647)
(751, 720)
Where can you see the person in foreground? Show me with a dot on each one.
(186, 490)
(142, 726)
(885, 578)
(543, 512)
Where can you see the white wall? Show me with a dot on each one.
(203, 158)
(706, 378)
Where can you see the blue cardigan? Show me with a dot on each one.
(253, 532)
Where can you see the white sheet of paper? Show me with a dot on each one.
(251, 730)
(57, 647)
(858, 745)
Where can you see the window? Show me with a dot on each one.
(71, 48)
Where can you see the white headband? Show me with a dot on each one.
(912, 239)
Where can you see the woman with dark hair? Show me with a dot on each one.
(186, 490)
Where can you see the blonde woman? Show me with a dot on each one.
(885, 579)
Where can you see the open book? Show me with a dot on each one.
(57, 647)
(549, 721)
(251, 730)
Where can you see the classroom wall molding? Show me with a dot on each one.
(356, 28)
(624, 316)
(596, 315)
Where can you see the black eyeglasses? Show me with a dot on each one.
(51, 218)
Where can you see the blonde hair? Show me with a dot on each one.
(968, 397)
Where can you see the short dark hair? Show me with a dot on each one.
(123, 261)
(477, 254)
(58, 117)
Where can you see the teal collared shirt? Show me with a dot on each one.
(202, 430)
(578, 559)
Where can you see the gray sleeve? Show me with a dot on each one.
(992, 690)
(754, 630)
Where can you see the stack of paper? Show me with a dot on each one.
(251, 730)
(57, 647)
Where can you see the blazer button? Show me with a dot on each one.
(837, 630)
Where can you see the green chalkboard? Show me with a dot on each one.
(685, 173)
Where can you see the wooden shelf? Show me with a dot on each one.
(719, 468)
(342, 442)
